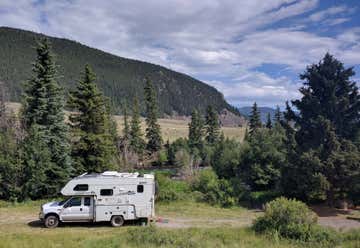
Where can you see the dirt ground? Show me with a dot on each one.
(338, 219)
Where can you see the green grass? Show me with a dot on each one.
(19, 228)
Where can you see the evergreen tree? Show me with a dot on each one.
(10, 164)
(153, 133)
(43, 106)
(92, 127)
(329, 116)
(126, 130)
(255, 121)
(137, 143)
(212, 125)
(277, 115)
(268, 122)
(196, 131)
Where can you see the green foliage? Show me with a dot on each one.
(255, 120)
(162, 157)
(169, 190)
(137, 143)
(262, 159)
(93, 138)
(43, 107)
(324, 163)
(119, 78)
(212, 125)
(268, 122)
(174, 147)
(214, 190)
(226, 156)
(259, 198)
(196, 131)
(294, 220)
(10, 163)
(153, 133)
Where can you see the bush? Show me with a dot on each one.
(214, 190)
(294, 220)
(170, 190)
(257, 199)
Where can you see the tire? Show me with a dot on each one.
(51, 221)
(117, 220)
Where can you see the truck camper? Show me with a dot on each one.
(108, 196)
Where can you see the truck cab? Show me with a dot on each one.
(72, 209)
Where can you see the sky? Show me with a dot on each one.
(250, 50)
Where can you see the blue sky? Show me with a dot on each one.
(249, 50)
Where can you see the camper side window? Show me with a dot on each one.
(106, 192)
(140, 188)
(81, 187)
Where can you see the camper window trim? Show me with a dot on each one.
(81, 187)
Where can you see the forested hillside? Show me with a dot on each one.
(119, 78)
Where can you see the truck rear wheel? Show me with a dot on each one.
(51, 221)
(117, 220)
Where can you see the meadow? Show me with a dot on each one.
(171, 129)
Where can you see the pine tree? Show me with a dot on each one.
(10, 164)
(277, 115)
(92, 127)
(325, 160)
(126, 130)
(43, 106)
(268, 122)
(196, 131)
(212, 125)
(153, 133)
(137, 143)
(255, 121)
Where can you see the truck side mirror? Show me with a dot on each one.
(67, 205)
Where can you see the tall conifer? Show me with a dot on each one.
(43, 106)
(196, 130)
(212, 125)
(137, 143)
(153, 132)
(255, 121)
(93, 131)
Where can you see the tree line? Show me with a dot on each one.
(40, 151)
(310, 151)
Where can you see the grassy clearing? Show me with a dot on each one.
(171, 129)
(19, 228)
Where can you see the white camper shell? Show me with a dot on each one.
(109, 196)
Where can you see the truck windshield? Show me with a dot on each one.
(63, 201)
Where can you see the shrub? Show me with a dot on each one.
(293, 219)
(170, 190)
(214, 190)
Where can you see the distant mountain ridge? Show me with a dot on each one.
(246, 111)
(121, 79)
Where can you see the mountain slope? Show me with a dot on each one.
(119, 78)
(246, 111)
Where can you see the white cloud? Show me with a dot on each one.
(320, 15)
(207, 39)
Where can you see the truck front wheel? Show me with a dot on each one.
(117, 220)
(51, 221)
